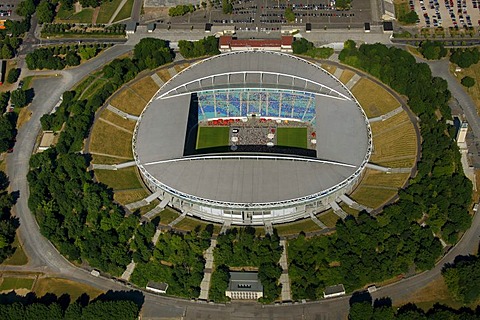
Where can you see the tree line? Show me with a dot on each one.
(383, 310)
(76, 213)
(368, 249)
(59, 57)
(112, 304)
(242, 248)
(177, 260)
(463, 278)
(305, 47)
(207, 46)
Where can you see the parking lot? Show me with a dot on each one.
(7, 10)
(447, 13)
(267, 15)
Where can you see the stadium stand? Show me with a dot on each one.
(285, 104)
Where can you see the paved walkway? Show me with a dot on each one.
(352, 204)
(318, 222)
(207, 275)
(109, 155)
(353, 81)
(125, 165)
(116, 126)
(225, 227)
(157, 80)
(338, 72)
(122, 113)
(337, 210)
(156, 236)
(284, 279)
(143, 202)
(128, 271)
(152, 213)
(103, 166)
(386, 115)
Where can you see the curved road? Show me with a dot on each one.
(44, 257)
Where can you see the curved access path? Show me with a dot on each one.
(43, 257)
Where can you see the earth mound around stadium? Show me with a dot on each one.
(246, 92)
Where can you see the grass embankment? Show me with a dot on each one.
(395, 142)
(189, 224)
(293, 228)
(374, 99)
(346, 76)
(107, 9)
(69, 16)
(125, 12)
(119, 179)
(110, 140)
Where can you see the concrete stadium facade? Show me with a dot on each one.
(248, 188)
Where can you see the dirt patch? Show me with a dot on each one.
(78, 7)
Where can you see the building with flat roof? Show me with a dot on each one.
(158, 287)
(334, 291)
(228, 43)
(244, 286)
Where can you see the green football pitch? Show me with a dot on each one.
(292, 137)
(211, 137)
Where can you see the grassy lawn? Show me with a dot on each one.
(435, 291)
(329, 218)
(84, 16)
(401, 8)
(125, 12)
(346, 76)
(372, 197)
(210, 137)
(129, 196)
(119, 179)
(110, 140)
(107, 9)
(59, 287)
(145, 88)
(189, 224)
(373, 98)
(118, 120)
(16, 283)
(292, 137)
(305, 225)
(18, 258)
(129, 101)
(167, 216)
(106, 160)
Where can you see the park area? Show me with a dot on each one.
(212, 137)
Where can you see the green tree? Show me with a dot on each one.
(289, 14)
(410, 17)
(462, 278)
(19, 98)
(227, 7)
(432, 50)
(45, 11)
(26, 8)
(13, 75)
(361, 311)
(468, 81)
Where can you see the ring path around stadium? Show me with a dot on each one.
(247, 188)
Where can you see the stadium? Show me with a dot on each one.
(252, 138)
